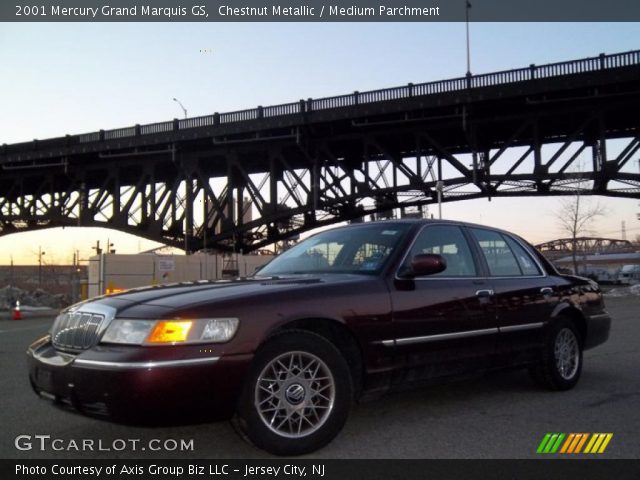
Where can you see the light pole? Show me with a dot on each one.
(439, 187)
(181, 106)
(466, 10)
(40, 254)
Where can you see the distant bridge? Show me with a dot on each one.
(584, 246)
(320, 161)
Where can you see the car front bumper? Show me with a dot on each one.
(138, 384)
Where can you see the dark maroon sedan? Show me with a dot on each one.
(347, 313)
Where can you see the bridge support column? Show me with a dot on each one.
(188, 214)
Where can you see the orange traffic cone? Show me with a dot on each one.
(17, 314)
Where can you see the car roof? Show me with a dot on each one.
(424, 221)
(428, 221)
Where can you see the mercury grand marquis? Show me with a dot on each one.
(346, 314)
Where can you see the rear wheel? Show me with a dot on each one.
(297, 396)
(561, 363)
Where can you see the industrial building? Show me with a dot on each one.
(111, 273)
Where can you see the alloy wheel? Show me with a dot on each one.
(567, 353)
(294, 394)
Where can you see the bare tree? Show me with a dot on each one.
(575, 216)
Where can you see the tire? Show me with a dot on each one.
(561, 363)
(297, 395)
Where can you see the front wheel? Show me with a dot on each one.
(297, 395)
(561, 363)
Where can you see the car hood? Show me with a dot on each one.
(163, 299)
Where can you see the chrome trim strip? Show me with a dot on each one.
(98, 365)
(60, 359)
(599, 316)
(439, 337)
(524, 326)
(47, 395)
(476, 278)
(56, 361)
(485, 292)
(457, 335)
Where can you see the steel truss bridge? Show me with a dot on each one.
(553, 129)
(584, 246)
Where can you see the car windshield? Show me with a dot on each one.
(362, 249)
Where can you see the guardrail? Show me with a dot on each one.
(533, 72)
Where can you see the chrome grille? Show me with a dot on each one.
(76, 330)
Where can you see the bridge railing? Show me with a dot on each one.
(279, 110)
(160, 127)
(89, 137)
(533, 72)
(120, 133)
(239, 116)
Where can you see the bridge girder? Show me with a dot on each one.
(578, 134)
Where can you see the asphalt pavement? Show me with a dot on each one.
(502, 415)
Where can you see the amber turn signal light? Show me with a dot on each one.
(170, 331)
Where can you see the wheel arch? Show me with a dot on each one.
(336, 333)
(576, 316)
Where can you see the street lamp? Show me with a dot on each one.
(40, 254)
(439, 188)
(181, 106)
(467, 7)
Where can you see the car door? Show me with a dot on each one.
(525, 295)
(444, 323)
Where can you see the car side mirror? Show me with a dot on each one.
(427, 264)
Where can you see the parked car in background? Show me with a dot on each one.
(347, 313)
(629, 275)
(599, 274)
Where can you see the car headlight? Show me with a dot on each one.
(171, 332)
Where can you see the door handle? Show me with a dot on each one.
(546, 290)
(484, 293)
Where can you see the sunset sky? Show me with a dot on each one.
(73, 78)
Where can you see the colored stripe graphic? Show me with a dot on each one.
(556, 445)
(573, 443)
(578, 438)
(581, 442)
(567, 443)
(598, 443)
(550, 443)
(543, 443)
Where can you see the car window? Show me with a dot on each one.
(499, 256)
(526, 263)
(448, 241)
(350, 250)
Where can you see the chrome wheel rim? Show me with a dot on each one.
(294, 394)
(567, 353)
